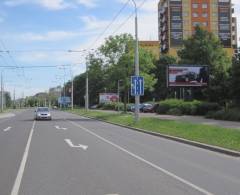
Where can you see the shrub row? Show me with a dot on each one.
(111, 106)
(229, 115)
(181, 107)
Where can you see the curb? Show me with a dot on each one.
(181, 140)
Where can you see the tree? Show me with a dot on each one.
(161, 90)
(114, 61)
(8, 100)
(204, 48)
(235, 87)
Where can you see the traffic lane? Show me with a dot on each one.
(215, 172)
(12, 145)
(54, 167)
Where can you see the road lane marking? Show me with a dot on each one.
(60, 128)
(18, 180)
(69, 142)
(7, 129)
(203, 191)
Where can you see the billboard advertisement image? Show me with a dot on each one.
(187, 76)
(108, 97)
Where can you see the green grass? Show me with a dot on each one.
(212, 135)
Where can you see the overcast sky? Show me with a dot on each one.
(63, 24)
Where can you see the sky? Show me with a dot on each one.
(40, 33)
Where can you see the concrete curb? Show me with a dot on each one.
(181, 140)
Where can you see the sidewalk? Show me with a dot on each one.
(191, 119)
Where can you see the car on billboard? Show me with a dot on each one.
(187, 75)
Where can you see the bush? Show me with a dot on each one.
(174, 111)
(206, 107)
(229, 115)
(188, 108)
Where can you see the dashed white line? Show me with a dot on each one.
(201, 190)
(18, 180)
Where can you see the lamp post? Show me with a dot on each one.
(87, 92)
(119, 92)
(1, 91)
(137, 97)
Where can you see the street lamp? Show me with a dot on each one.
(119, 81)
(87, 93)
(137, 97)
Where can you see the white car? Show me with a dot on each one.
(42, 113)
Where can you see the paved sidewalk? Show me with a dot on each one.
(191, 119)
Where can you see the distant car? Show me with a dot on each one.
(94, 106)
(140, 107)
(145, 106)
(150, 108)
(42, 113)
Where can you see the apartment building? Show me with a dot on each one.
(178, 19)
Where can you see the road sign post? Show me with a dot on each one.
(137, 86)
(137, 90)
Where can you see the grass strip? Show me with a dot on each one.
(207, 134)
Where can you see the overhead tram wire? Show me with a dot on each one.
(109, 25)
(128, 18)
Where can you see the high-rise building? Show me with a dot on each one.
(177, 20)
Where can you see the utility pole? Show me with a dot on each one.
(72, 93)
(137, 97)
(14, 99)
(87, 95)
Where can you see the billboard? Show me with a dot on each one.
(187, 76)
(224, 22)
(64, 100)
(176, 23)
(108, 97)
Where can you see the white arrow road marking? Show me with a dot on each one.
(7, 129)
(203, 191)
(69, 142)
(60, 128)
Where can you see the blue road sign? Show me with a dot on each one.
(137, 86)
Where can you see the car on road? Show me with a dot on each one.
(42, 113)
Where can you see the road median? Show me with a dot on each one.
(223, 140)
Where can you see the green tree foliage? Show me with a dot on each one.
(235, 82)
(8, 100)
(114, 61)
(161, 90)
(204, 48)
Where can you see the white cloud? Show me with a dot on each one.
(49, 36)
(87, 3)
(148, 5)
(53, 4)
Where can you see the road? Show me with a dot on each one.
(72, 155)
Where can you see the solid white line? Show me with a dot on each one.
(203, 191)
(18, 180)
(7, 129)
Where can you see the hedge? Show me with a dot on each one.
(181, 107)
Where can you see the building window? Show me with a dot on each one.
(204, 23)
(195, 15)
(195, 5)
(204, 5)
(196, 24)
(204, 15)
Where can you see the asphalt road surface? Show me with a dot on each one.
(72, 155)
